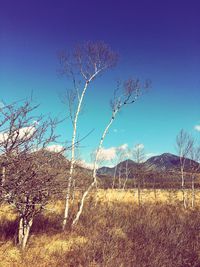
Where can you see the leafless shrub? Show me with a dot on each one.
(28, 171)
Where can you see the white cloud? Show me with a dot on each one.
(55, 148)
(23, 133)
(197, 128)
(139, 146)
(122, 147)
(85, 164)
(26, 132)
(108, 156)
(107, 153)
(3, 137)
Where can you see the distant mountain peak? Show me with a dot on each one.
(161, 163)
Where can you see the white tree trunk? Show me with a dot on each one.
(129, 89)
(94, 175)
(114, 177)
(3, 175)
(119, 178)
(183, 187)
(24, 231)
(193, 192)
(66, 211)
(124, 185)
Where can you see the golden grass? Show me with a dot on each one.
(8, 254)
(147, 196)
(7, 213)
(113, 231)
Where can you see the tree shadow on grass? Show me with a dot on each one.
(8, 229)
(48, 225)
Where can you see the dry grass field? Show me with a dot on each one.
(113, 231)
(147, 196)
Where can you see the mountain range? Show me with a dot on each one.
(163, 163)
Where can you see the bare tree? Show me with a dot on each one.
(194, 167)
(120, 156)
(183, 144)
(117, 169)
(86, 63)
(139, 156)
(124, 171)
(132, 90)
(127, 173)
(114, 176)
(28, 170)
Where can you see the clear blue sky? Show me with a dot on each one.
(159, 40)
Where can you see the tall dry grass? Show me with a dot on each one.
(113, 231)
